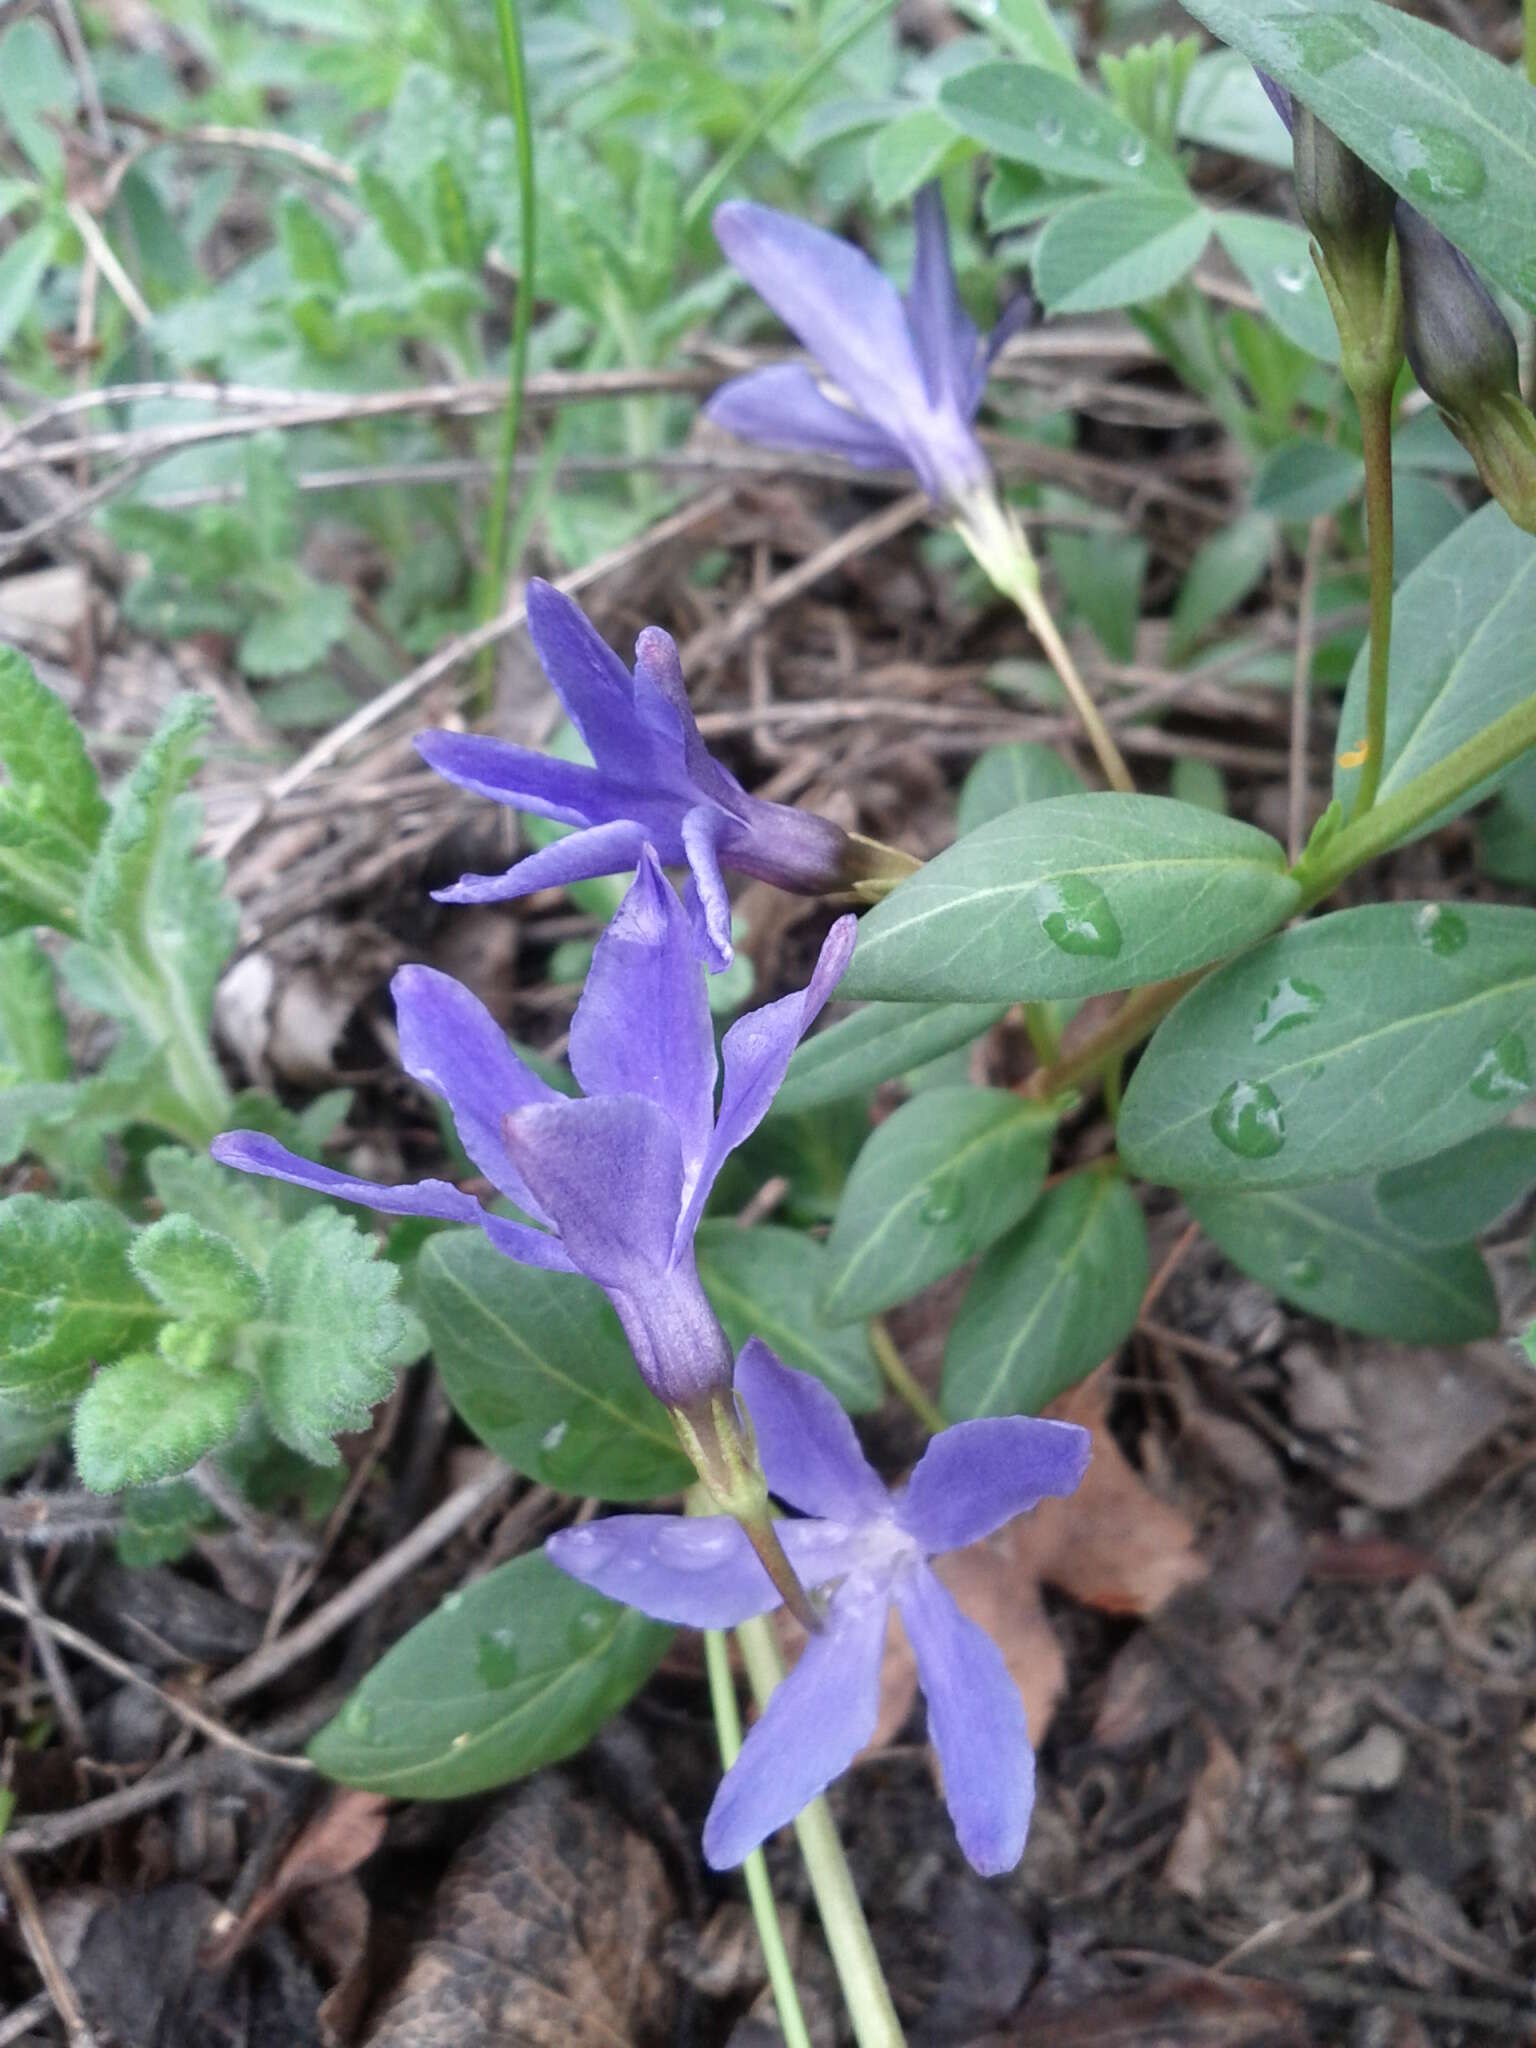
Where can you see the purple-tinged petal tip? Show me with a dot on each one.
(978, 1475)
(701, 1572)
(810, 1453)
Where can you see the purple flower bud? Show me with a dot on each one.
(1344, 203)
(1460, 345)
(653, 783)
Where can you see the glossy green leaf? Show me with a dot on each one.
(1361, 1041)
(1019, 772)
(1033, 116)
(876, 1044)
(1327, 1250)
(1102, 574)
(905, 153)
(1444, 123)
(68, 1297)
(1225, 570)
(938, 1182)
(1463, 626)
(1049, 1302)
(1276, 258)
(768, 1282)
(519, 1669)
(1118, 248)
(1073, 896)
(1304, 479)
(141, 1420)
(537, 1365)
(1027, 26)
(1456, 1195)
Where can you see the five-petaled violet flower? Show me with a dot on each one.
(875, 1545)
(653, 783)
(907, 373)
(615, 1181)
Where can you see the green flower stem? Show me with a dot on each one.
(865, 1992)
(778, 104)
(898, 1377)
(781, 1976)
(999, 546)
(509, 36)
(1375, 408)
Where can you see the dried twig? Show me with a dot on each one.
(60, 1684)
(35, 1934)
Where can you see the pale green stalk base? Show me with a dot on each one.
(1000, 546)
(1375, 409)
(865, 1992)
(898, 1377)
(781, 1975)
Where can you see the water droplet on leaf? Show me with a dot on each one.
(1504, 1072)
(1133, 152)
(554, 1436)
(1074, 914)
(1322, 42)
(586, 1630)
(453, 1603)
(359, 1719)
(1249, 1121)
(943, 1201)
(1050, 130)
(1443, 931)
(1290, 1002)
(1304, 1272)
(1292, 277)
(1437, 163)
(496, 1657)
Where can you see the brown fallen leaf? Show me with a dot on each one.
(1421, 1413)
(545, 1933)
(342, 1835)
(1204, 1825)
(1186, 2009)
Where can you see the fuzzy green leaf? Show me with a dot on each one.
(142, 1420)
(34, 1041)
(331, 1322)
(68, 1296)
(234, 1204)
(196, 1272)
(51, 808)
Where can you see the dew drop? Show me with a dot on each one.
(585, 1630)
(943, 1201)
(1075, 915)
(694, 1545)
(554, 1436)
(1133, 152)
(1290, 1002)
(1323, 42)
(1304, 1272)
(1292, 278)
(360, 1720)
(496, 1657)
(1504, 1071)
(1437, 163)
(986, 7)
(1443, 931)
(453, 1603)
(1248, 1120)
(1050, 130)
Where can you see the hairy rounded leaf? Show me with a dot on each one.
(68, 1296)
(51, 807)
(939, 1181)
(537, 1365)
(516, 1671)
(767, 1282)
(1361, 1041)
(1073, 896)
(196, 1272)
(1329, 1251)
(1049, 1302)
(143, 1420)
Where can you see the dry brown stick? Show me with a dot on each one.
(41, 1950)
(205, 1724)
(1301, 688)
(24, 2018)
(458, 650)
(445, 1521)
(60, 1684)
(50, 1831)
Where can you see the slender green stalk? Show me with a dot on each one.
(898, 1377)
(999, 546)
(1375, 409)
(765, 1914)
(777, 105)
(865, 1992)
(509, 36)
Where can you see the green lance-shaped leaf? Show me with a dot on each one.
(1362, 1041)
(519, 1669)
(1074, 896)
(1029, 115)
(1455, 1196)
(323, 1347)
(768, 1282)
(938, 1182)
(51, 807)
(537, 1365)
(143, 1420)
(876, 1044)
(68, 1296)
(1463, 627)
(1445, 124)
(1329, 1251)
(1055, 1297)
(196, 1272)
(1019, 772)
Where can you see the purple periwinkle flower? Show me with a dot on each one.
(653, 782)
(615, 1181)
(907, 373)
(875, 1546)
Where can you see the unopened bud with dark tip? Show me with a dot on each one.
(1464, 354)
(1344, 203)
